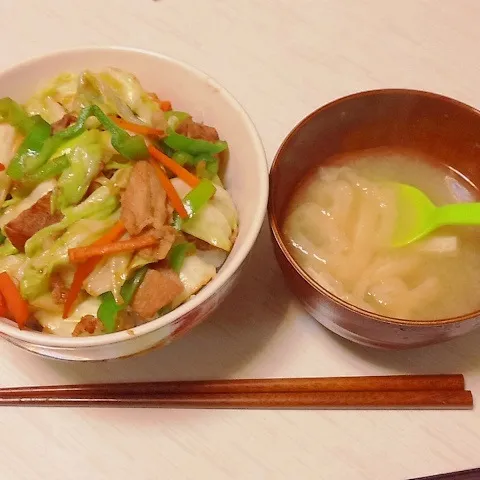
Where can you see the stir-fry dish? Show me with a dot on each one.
(112, 209)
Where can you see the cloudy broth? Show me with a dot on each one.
(341, 218)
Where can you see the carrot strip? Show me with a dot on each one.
(3, 307)
(17, 306)
(85, 269)
(81, 254)
(172, 165)
(140, 129)
(172, 194)
(164, 105)
(112, 235)
(81, 273)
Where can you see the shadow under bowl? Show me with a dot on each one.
(432, 126)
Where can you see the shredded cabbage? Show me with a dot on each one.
(99, 205)
(214, 256)
(6, 248)
(118, 181)
(46, 302)
(92, 90)
(55, 100)
(194, 274)
(109, 276)
(129, 89)
(14, 265)
(223, 202)
(118, 92)
(53, 323)
(37, 273)
(7, 150)
(46, 107)
(85, 154)
(216, 223)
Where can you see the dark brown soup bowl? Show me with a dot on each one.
(438, 128)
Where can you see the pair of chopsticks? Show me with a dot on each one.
(385, 392)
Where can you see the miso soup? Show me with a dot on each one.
(338, 228)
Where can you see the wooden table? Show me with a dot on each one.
(281, 59)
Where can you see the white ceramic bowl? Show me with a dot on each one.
(246, 179)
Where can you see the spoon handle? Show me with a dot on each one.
(458, 214)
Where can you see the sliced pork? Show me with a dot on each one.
(196, 130)
(166, 237)
(30, 221)
(88, 325)
(59, 289)
(63, 123)
(158, 289)
(144, 202)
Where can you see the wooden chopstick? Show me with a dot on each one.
(432, 399)
(401, 391)
(269, 385)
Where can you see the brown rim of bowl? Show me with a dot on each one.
(278, 237)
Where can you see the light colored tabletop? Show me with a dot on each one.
(281, 59)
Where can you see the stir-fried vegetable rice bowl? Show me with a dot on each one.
(132, 188)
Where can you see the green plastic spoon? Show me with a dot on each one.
(417, 216)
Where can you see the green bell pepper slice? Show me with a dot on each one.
(174, 118)
(169, 152)
(109, 308)
(176, 255)
(53, 168)
(6, 249)
(180, 116)
(131, 147)
(206, 166)
(11, 112)
(30, 148)
(193, 146)
(194, 200)
(183, 158)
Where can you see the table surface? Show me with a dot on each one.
(281, 59)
